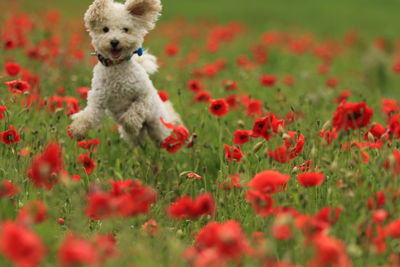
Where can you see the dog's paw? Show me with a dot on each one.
(131, 124)
(78, 130)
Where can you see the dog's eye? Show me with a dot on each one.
(106, 29)
(126, 30)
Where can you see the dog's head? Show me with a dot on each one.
(117, 30)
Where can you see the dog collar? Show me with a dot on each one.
(108, 62)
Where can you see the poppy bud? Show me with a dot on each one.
(313, 152)
(326, 125)
(240, 124)
(257, 147)
(371, 137)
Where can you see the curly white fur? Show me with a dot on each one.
(124, 91)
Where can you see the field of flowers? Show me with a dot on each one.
(290, 153)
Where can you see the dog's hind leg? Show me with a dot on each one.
(133, 118)
(130, 139)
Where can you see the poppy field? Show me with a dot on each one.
(289, 154)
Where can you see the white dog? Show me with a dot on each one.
(121, 85)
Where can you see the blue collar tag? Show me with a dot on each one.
(139, 52)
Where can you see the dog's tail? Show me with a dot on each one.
(148, 62)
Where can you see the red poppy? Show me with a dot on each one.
(241, 137)
(260, 54)
(72, 105)
(352, 116)
(203, 96)
(305, 166)
(378, 200)
(185, 207)
(232, 182)
(271, 38)
(232, 101)
(121, 187)
(45, 168)
(8, 189)
(76, 177)
(88, 144)
(10, 136)
(344, 95)
(137, 200)
(211, 69)
(99, 206)
(261, 203)
(126, 199)
(379, 216)
(266, 127)
(163, 96)
(177, 139)
(2, 110)
(293, 146)
(396, 66)
(55, 103)
(60, 90)
(328, 135)
(310, 226)
(309, 179)
(233, 153)
(219, 107)
(195, 86)
(76, 250)
(193, 175)
(288, 80)
(281, 229)
(83, 92)
(375, 133)
(329, 252)
(35, 212)
(269, 182)
(105, 247)
(394, 125)
(12, 69)
(172, 50)
(268, 80)
(229, 85)
(332, 82)
(87, 163)
(33, 99)
(20, 245)
(390, 106)
(294, 143)
(254, 108)
(328, 215)
(393, 229)
(18, 87)
(226, 239)
(280, 154)
(393, 162)
(150, 227)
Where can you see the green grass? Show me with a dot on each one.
(162, 171)
(323, 17)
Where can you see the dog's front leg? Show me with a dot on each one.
(133, 118)
(89, 117)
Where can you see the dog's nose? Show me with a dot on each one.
(114, 43)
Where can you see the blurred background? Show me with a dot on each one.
(324, 17)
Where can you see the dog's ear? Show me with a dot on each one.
(146, 11)
(96, 12)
